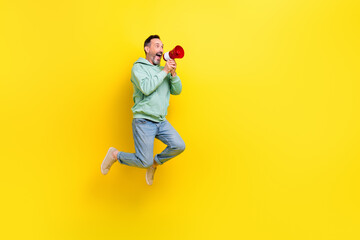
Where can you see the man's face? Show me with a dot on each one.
(154, 51)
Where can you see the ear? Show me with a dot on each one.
(147, 49)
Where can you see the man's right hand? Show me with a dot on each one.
(170, 65)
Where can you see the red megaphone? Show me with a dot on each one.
(177, 52)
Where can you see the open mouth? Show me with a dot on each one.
(159, 55)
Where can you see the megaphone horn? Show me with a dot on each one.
(177, 52)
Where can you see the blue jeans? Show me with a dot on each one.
(145, 131)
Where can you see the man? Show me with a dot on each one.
(153, 85)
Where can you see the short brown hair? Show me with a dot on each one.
(148, 40)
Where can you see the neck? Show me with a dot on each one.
(149, 59)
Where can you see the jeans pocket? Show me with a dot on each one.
(141, 120)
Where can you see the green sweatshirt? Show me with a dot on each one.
(152, 89)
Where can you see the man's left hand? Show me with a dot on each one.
(173, 63)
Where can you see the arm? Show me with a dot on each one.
(144, 81)
(175, 85)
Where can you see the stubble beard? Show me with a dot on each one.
(156, 62)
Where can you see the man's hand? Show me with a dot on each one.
(173, 73)
(170, 66)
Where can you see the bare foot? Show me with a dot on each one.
(115, 153)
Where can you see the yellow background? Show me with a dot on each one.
(269, 113)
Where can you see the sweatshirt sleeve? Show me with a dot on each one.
(175, 85)
(144, 81)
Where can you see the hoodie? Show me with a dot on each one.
(152, 89)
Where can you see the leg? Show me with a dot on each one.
(144, 132)
(175, 145)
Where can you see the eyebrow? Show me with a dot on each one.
(159, 44)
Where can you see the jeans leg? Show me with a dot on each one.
(144, 132)
(175, 145)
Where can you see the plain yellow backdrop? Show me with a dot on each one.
(269, 113)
